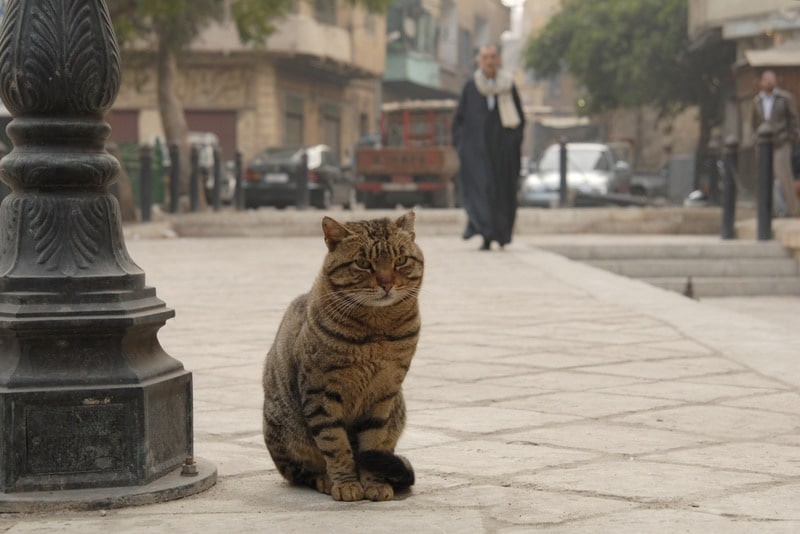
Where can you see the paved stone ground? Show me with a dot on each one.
(545, 396)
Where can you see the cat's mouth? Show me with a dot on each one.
(388, 297)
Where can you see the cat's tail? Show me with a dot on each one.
(394, 469)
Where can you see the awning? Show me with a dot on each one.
(785, 55)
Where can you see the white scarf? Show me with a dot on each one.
(501, 88)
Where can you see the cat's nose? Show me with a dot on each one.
(386, 282)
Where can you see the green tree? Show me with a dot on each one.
(169, 27)
(634, 53)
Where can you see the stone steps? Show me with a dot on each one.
(740, 267)
(716, 268)
(739, 286)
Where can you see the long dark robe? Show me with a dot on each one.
(490, 161)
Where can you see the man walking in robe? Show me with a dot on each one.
(487, 131)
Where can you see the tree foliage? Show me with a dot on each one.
(182, 20)
(630, 53)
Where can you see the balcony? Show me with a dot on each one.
(742, 18)
(304, 43)
(414, 75)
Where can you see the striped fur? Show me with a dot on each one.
(333, 401)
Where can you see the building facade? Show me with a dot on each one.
(431, 45)
(767, 36)
(317, 80)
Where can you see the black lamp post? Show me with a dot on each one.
(88, 398)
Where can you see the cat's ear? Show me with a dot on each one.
(406, 223)
(334, 233)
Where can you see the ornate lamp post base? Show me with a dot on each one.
(93, 412)
(174, 485)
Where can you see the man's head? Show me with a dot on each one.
(768, 81)
(488, 60)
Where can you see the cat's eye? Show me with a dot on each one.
(362, 263)
(401, 261)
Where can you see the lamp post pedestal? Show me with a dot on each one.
(91, 406)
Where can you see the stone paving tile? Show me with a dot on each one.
(485, 419)
(787, 439)
(557, 359)
(472, 392)
(434, 350)
(755, 457)
(566, 381)
(744, 379)
(490, 458)
(649, 351)
(659, 521)
(646, 482)
(586, 404)
(467, 371)
(778, 402)
(770, 504)
(417, 437)
(669, 369)
(718, 421)
(607, 438)
(527, 506)
(687, 391)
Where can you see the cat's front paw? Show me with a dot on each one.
(378, 492)
(323, 484)
(347, 491)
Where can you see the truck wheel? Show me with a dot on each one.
(372, 201)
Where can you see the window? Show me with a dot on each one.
(293, 121)
(369, 22)
(325, 11)
(330, 122)
(481, 31)
(466, 54)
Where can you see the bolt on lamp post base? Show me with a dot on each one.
(174, 485)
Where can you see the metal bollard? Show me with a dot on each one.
(765, 181)
(713, 172)
(239, 193)
(174, 177)
(562, 169)
(146, 182)
(729, 188)
(301, 199)
(194, 178)
(215, 197)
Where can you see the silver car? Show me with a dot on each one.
(592, 174)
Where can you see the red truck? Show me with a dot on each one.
(416, 163)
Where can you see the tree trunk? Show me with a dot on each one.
(173, 119)
(702, 152)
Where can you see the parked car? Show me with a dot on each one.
(271, 178)
(592, 174)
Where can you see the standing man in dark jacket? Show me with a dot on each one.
(487, 131)
(776, 106)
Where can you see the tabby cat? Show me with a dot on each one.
(333, 404)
